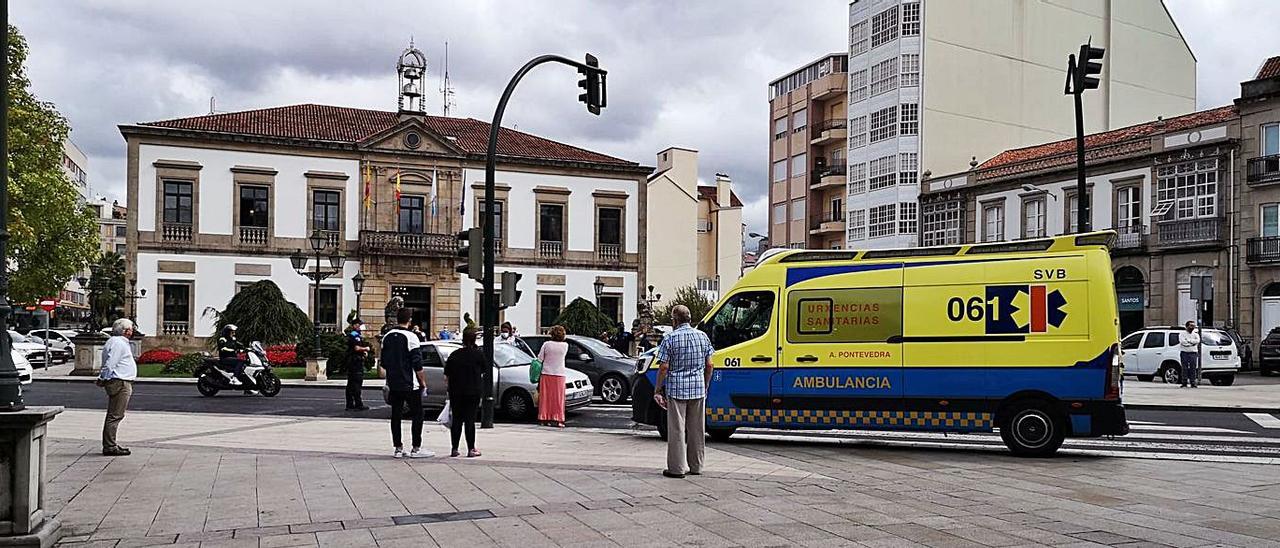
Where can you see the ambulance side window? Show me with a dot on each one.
(743, 317)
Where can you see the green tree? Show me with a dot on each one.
(260, 312)
(53, 235)
(106, 289)
(689, 296)
(583, 318)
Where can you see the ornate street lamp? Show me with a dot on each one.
(357, 282)
(599, 287)
(132, 296)
(319, 243)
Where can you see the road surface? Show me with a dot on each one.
(1158, 434)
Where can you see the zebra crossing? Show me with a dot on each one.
(1252, 438)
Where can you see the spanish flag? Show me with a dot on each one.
(368, 186)
(397, 191)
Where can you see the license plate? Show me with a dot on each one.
(1220, 355)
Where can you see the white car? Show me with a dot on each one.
(34, 350)
(1153, 352)
(58, 338)
(22, 365)
(516, 396)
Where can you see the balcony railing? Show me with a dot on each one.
(175, 328)
(176, 232)
(835, 166)
(609, 252)
(328, 328)
(1263, 169)
(835, 123)
(551, 249)
(253, 235)
(1190, 231)
(407, 243)
(708, 284)
(1263, 250)
(1131, 237)
(332, 238)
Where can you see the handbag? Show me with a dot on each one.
(535, 371)
(446, 415)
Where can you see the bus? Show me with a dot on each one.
(1017, 337)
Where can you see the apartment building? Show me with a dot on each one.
(933, 85)
(223, 200)
(1191, 195)
(695, 231)
(74, 163)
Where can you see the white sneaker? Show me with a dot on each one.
(398, 454)
(417, 453)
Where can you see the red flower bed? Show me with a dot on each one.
(283, 355)
(158, 355)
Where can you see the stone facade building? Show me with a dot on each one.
(224, 200)
(1193, 195)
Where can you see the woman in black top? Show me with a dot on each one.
(464, 372)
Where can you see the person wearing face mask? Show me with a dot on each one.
(357, 351)
(507, 334)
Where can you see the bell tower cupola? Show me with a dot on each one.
(411, 69)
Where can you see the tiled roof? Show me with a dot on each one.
(1097, 146)
(1270, 68)
(709, 192)
(326, 123)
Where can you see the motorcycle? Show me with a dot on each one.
(211, 378)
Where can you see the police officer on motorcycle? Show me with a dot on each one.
(357, 351)
(229, 350)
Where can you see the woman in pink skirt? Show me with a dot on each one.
(551, 386)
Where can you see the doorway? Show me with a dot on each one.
(1130, 296)
(417, 299)
(1270, 310)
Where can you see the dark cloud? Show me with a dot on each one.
(680, 73)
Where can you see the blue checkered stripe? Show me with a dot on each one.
(910, 419)
(685, 351)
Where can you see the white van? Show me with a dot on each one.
(1153, 352)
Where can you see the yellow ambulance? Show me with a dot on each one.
(1020, 337)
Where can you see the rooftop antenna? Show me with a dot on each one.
(211, 111)
(446, 91)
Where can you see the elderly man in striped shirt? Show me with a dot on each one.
(684, 373)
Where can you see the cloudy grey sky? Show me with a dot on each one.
(691, 74)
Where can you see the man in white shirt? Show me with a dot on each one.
(116, 377)
(1189, 352)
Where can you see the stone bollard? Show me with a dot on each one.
(88, 353)
(23, 448)
(316, 369)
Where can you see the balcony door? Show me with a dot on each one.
(417, 299)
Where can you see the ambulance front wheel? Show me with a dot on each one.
(1030, 428)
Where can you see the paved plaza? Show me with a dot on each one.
(215, 480)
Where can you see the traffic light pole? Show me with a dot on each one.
(1082, 197)
(488, 302)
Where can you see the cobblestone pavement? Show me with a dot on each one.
(194, 480)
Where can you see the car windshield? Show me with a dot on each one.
(599, 347)
(508, 355)
(1215, 338)
(16, 337)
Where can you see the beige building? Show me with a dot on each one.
(1191, 195)
(695, 231)
(807, 125)
(933, 84)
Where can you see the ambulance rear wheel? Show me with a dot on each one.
(1031, 428)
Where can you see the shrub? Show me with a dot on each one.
(583, 318)
(158, 355)
(283, 358)
(689, 296)
(262, 313)
(185, 364)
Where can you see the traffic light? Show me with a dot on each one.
(1088, 66)
(510, 293)
(593, 85)
(1083, 69)
(471, 248)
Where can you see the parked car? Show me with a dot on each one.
(33, 349)
(610, 371)
(1153, 352)
(58, 338)
(1243, 346)
(22, 365)
(516, 397)
(1269, 353)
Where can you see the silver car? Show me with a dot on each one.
(516, 396)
